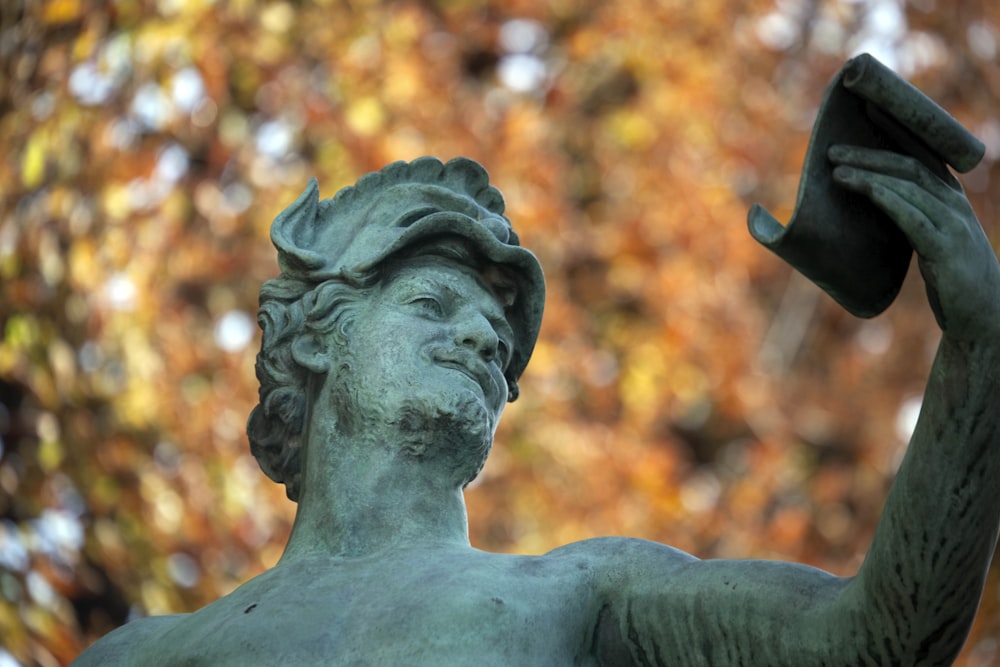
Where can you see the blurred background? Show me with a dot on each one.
(687, 387)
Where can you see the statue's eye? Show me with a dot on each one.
(429, 306)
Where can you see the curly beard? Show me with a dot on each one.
(456, 431)
(452, 430)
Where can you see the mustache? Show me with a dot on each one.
(470, 363)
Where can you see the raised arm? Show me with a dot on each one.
(914, 599)
(922, 579)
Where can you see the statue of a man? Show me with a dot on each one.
(403, 316)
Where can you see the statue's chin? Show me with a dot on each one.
(449, 427)
(454, 431)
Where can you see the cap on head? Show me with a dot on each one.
(403, 204)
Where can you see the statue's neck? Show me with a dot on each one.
(358, 501)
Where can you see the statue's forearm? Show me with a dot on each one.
(921, 582)
(915, 597)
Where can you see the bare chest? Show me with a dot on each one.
(445, 612)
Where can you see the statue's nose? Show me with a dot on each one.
(475, 332)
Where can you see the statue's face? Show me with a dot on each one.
(431, 348)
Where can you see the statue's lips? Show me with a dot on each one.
(471, 367)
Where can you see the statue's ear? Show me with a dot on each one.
(310, 352)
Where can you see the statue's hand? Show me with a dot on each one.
(956, 260)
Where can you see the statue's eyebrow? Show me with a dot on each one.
(413, 285)
(410, 285)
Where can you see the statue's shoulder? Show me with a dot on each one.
(189, 639)
(619, 566)
(124, 645)
(616, 551)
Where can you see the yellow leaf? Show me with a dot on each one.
(366, 116)
(33, 162)
(62, 11)
(633, 129)
(50, 455)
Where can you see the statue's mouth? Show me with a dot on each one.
(472, 367)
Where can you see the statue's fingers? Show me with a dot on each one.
(918, 199)
(947, 208)
(912, 208)
(875, 159)
(909, 211)
(899, 166)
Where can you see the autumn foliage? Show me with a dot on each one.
(687, 386)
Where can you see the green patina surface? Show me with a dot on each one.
(394, 337)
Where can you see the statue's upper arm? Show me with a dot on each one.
(663, 606)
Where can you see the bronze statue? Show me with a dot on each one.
(405, 312)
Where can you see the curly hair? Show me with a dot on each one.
(290, 308)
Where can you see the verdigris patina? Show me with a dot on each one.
(403, 317)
